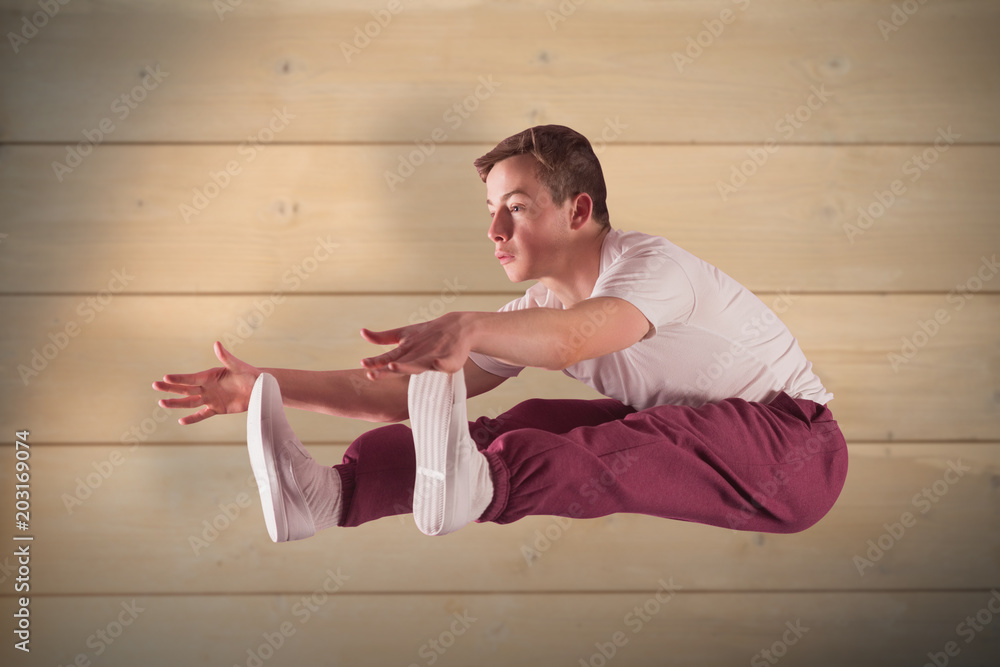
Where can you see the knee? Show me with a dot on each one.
(377, 437)
(798, 522)
(528, 409)
(808, 513)
(820, 491)
(560, 415)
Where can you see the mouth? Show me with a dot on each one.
(504, 257)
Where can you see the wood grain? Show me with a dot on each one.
(794, 225)
(185, 519)
(936, 387)
(608, 64)
(692, 628)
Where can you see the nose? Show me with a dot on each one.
(500, 228)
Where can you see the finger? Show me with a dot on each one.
(382, 360)
(414, 365)
(373, 364)
(186, 389)
(199, 378)
(395, 367)
(222, 354)
(226, 357)
(186, 402)
(201, 415)
(387, 337)
(406, 368)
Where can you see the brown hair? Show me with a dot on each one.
(566, 164)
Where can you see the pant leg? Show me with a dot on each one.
(379, 468)
(774, 467)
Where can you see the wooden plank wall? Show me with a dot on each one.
(166, 168)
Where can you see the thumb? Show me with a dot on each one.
(227, 359)
(387, 337)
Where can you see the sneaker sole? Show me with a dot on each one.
(436, 495)
(260, 446)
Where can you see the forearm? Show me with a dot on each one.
(538, 337)
(555, 339)
(346, 393)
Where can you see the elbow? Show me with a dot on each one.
(392, 414)
(385, 414)
(384, 417)
(397, 406)
(564, 358)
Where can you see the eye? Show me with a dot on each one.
(516, 207)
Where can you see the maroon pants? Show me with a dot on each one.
(775, 467)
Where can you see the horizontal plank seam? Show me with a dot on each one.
(469, 293)
(488, 143)
(142, 295)
(471, 592)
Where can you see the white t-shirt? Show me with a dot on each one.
(711, 338)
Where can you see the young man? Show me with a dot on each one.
(713, 412)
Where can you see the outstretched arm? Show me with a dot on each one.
(547, 338)
(347, 393)
(226, 390)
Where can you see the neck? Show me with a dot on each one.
(581, 266)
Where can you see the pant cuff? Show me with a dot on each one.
(346, 471)
(501, 487)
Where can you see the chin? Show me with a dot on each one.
(514, 275)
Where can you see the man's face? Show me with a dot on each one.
(527, 229)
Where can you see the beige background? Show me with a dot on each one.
(120, 493)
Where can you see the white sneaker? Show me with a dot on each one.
(292, 485)
(452, 486)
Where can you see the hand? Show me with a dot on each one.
(221, 391)
(442, 344)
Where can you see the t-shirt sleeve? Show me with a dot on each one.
(493, 365)
(647, 276)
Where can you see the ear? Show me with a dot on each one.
(581, 208)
